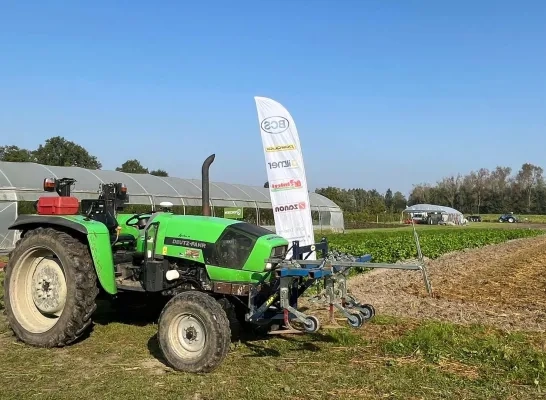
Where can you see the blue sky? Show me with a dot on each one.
(384, 93)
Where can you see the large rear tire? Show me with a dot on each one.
(50, 288)
(194, 333)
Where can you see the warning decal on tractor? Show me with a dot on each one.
(192, 253)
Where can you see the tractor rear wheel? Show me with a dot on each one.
(49, 288)
(194, 333)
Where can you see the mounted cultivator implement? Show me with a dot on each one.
(293, 277)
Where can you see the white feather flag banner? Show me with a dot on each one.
(285, 172)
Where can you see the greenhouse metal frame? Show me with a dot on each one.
(22, 181)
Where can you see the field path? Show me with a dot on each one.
(501, 285)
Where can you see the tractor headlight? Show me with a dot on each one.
(276, 252)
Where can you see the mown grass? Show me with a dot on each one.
(389, 358)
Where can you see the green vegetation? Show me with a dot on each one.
(389, 358)
(509, 354)
(397, 244)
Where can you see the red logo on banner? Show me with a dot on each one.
(286, 185)
(291, 207)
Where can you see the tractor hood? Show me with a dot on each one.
(217, 242)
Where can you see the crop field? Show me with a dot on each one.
(391, 246)
(481, 336)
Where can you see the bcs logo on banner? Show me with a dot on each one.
(285, 185)
(275, 125)
(281, 147)
(283, 164)
(291, 207)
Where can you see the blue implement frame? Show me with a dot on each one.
(294, 276)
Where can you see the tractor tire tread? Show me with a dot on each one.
(85, 288)
(217, 325)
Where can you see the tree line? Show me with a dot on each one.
(484, 191)
(478, 192)
(58, 151)
(488, 191)
(361, 205)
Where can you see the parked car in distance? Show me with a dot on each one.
(511, 218)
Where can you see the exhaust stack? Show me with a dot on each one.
(205, 201)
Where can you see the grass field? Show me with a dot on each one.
(391, 357)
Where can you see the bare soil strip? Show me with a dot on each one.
(500, 285)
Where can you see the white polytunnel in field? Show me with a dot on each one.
(448, 214)
(24, 182)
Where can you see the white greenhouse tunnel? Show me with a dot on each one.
(24, 182)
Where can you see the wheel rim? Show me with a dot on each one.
(187, 336)
(38, 290)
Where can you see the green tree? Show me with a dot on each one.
(399, 202)
(159, 172)
(132, 166)
(60, 152)
(389, 200)
(15, 154)
(528, 178)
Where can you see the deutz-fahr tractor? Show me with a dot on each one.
(219, 275)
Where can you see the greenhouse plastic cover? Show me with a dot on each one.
(431, 208)
(24, 182)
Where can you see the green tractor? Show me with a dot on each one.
(218, 274)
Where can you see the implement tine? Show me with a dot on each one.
(428, 286)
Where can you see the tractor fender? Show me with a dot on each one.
(98, 239)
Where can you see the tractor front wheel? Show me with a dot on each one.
(194, 333)
(50, 288)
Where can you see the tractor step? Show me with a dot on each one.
(129, 285)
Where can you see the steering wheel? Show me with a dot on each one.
(136, 217)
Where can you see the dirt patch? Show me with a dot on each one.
(155, 367)
(500, 285)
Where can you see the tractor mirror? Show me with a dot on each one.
(49, 185)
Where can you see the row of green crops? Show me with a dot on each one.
(392, 246)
